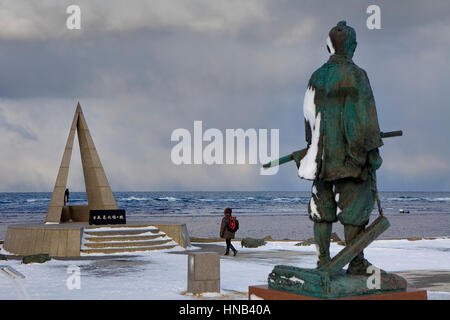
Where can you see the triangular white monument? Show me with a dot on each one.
(98, 191)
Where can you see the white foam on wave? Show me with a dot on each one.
(133, 198)
(37, 200)
(287, 199)
(168, 199)
(408, 198)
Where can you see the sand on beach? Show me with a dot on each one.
(299, 226)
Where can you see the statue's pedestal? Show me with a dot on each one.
(264, 293)
(318, 283)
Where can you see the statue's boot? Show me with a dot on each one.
(322, 236)
(359, 264)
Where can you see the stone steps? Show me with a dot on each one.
(127, 244)
(119, 232)
(121, 239)
(124, 250)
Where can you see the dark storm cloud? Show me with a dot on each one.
(143, 69)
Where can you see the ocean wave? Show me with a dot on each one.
(168, 199)
(441, 199)
(406, 198)
(37, 200)
(287, 199)
(230, 200)
(132, 198)
(426, 199)
(253, 199)
(224, 200)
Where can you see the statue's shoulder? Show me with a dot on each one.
(351, 72)
(341, 69)
(318, 76)
(359, 71)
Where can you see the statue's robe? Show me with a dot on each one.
(341, 123)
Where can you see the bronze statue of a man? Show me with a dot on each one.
(343, 138)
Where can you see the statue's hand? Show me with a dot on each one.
(374, 160)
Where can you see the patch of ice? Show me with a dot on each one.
(436, 295)
(210, 294)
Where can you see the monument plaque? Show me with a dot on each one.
(101, 217)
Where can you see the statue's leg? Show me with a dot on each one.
(355, 202)
(322, 236)
(322, 210)
(359, 264)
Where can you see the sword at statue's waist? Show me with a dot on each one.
(297, 156)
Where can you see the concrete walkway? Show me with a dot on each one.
(435, 280)
(430, 280)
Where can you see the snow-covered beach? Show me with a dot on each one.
(163, 274)
(424, 262)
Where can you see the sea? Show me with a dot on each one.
(32, 206)
(426, 207)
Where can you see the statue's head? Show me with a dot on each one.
(342, 40)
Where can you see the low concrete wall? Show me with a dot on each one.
(33, 239)
(178, 232)
(64, 240)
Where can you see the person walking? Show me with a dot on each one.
(227, 232)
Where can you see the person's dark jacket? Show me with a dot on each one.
(224, 231)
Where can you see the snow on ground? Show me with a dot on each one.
(163, 274)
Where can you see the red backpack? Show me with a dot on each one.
(233, 225)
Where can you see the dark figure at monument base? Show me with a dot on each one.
(66, 196)
(343, 138)
(226, 232)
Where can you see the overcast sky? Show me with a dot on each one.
(142, 69)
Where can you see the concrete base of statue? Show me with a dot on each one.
(317, 283)
(264, 293)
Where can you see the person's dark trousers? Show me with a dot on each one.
(229, 246)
